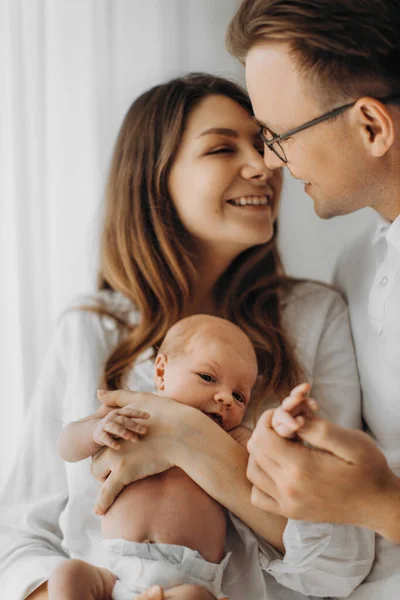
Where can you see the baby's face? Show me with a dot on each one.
(211, 375)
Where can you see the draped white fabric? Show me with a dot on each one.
(69, 72)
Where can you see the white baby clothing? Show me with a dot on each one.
(138, 566)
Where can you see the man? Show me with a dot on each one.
(324, 80)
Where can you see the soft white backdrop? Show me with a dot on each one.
(70, 70)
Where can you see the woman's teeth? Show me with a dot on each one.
(250, 201)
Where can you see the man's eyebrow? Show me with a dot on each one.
(261, 125)
(220, 131)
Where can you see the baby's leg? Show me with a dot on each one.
(74, 579)
(180, 592)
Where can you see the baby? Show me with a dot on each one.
(165, 529)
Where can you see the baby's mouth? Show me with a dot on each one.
(216, 417)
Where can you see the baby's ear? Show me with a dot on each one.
(160, 365)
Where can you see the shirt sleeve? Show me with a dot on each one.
(36, 492)
(326, 559)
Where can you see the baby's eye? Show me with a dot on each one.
(238, 397)
(206, 377)
(260, 149)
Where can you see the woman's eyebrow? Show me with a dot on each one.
(220, 131)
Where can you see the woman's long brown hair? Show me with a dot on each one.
(148, 256)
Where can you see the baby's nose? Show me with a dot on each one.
(223, 397)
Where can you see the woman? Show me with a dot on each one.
(190, 227)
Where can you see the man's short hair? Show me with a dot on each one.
(347, 48)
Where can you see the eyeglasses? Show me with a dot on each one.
(272, 140)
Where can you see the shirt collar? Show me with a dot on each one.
(389, 230)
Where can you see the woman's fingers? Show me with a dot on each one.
(120, 398)
(108, 492)
(131, 411)
(99, 467)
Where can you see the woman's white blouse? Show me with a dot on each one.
(47, 506)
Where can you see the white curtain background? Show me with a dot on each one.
(69, 71)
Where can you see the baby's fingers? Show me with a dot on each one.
(119, 430)
(286, 425)
(105, 439)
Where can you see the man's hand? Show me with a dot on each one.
(342, 478)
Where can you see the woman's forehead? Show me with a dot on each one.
(219, 112)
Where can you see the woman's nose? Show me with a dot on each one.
(255, 168)
(271, 160)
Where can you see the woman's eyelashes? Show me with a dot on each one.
(221, 150)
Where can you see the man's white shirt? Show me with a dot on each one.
(368, 274)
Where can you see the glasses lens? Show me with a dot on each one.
(267, 137)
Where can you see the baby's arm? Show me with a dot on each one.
(294, 411)
(81, 439)
(241, 435)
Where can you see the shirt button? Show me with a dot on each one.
(384, 281)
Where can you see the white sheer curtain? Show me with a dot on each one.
(70, 70)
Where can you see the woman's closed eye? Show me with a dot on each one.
(207, 377)
(221, 150)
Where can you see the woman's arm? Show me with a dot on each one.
(38, 490)
(179, 435)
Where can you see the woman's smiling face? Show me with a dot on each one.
(223, 192)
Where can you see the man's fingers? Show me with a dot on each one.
(108, 492)
(347, 444)
(260, 479)
(266, 446)
(264, 501)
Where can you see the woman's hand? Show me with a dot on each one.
(158, 451)
(182, 436)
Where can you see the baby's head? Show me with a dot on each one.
(210, 364)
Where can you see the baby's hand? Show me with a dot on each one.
(294, 411)
(119, 423)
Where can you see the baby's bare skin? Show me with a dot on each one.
(168, 508)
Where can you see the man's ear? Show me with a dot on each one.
(377, 125)
(160, 365)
